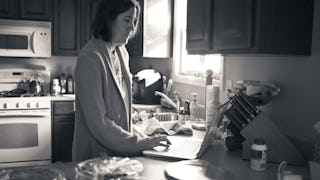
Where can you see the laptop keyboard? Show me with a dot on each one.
(187, 147)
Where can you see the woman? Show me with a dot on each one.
(103, 86)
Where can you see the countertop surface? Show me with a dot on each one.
(63, 97)
(217, 155)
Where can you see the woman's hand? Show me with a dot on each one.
(149, 143)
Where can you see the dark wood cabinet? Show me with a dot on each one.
(72, 21)
(36, 9)
(26, 9)
(199, 18)
(88, 12)
(253, 27)
(7, 9)
(232, 24)
(62, 130)
(66, 27)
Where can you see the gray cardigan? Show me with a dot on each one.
(102, 119)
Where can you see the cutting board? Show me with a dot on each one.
(280, 148)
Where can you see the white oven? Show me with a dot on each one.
(25, 131)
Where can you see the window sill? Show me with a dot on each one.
(196, 81)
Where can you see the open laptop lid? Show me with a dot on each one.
(210, 132)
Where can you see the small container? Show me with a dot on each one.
(56, 89)
(182, 115)
(258, 160)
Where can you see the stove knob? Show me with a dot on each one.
(17, 105)
(28, 105)
(5, 106)
(37, 104)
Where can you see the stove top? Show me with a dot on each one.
(18, 93)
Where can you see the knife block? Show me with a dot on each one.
(280, 148)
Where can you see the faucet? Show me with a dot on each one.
(166, 100)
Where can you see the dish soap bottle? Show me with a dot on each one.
(194, 108)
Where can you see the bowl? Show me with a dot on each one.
(257, 92)
(37, 172)
(108, 168)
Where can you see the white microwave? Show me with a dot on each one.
(25, 38)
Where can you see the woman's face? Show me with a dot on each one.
(122, 26)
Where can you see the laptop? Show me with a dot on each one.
(186, 147)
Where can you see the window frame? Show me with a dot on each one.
(177, 76)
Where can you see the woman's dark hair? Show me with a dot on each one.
(107, 12)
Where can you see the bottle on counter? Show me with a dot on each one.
(55, 87)
(70, 85)
(258, 160)
(182, 115)
(194, 108)
(63, 83)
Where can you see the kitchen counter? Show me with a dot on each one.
(63, 97)
(217, 155)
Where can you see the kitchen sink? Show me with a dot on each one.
(148, 108)
(160, 112)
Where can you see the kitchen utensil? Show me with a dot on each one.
(34, 87)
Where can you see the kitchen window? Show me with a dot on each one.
(191, 68)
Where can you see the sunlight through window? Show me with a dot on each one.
(193, 66)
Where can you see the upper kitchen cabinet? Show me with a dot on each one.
(256, 27)
(72, 20)
(66, 27)
(26, 9)
(88, 12)
(7, 9)
(199, 19)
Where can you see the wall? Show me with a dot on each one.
(296, 109)
(54, 64)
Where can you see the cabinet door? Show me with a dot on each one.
(36, 9)
(199, 25)
(7, 9)
(88, 9)
(62, 131)
(232, 24)
(63, 127)
(66, 25)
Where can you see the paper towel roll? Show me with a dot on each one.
(212, 102)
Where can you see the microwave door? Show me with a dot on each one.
(16, 44)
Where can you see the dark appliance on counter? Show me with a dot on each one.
(25, 119)
(143, 92)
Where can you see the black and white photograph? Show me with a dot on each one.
(159, 90)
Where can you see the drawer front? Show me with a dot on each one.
(63, 107)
